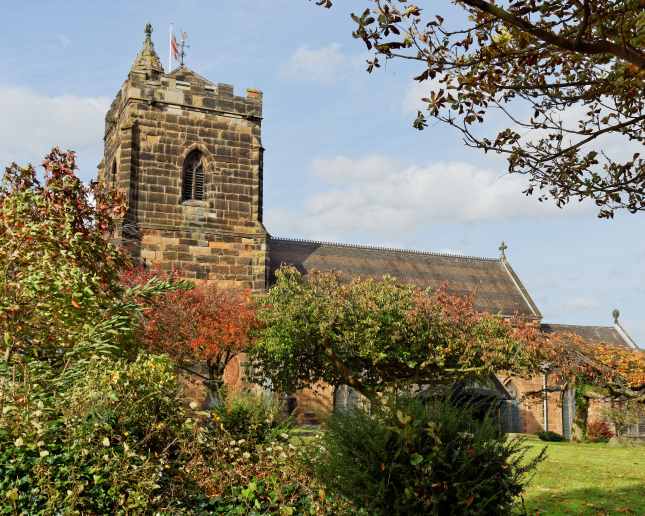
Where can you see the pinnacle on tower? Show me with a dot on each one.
(147, 62)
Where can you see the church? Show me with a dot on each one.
(188, 155)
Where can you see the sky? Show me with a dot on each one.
(343, 162)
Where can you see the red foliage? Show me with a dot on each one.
(599, 432)
(201, 325)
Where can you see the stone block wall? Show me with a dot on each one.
(152, 126)
(232, 261)
(531, 402)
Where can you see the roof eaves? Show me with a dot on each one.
(520, 287)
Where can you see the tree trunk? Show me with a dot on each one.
(214, 386)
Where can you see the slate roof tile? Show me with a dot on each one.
(495, 286)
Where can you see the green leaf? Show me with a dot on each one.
(416, 459)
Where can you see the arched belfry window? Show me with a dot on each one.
(193, 177)
(113, 175)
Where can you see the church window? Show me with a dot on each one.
(193, 177)
(113, 175)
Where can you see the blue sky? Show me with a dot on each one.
(342, 162)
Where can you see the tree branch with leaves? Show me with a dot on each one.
(567, 74)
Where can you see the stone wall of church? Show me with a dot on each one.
(151, 128)
(528, 391)
(231, 261)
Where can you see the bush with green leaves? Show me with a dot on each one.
(114, 440)
(257, 418)
(410, 457)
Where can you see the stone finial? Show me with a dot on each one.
(616, 314)
(147, 62)
(502, 249)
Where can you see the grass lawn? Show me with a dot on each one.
(588, 479)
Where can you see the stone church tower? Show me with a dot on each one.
(188, 155)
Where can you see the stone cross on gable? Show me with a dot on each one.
(502, 250)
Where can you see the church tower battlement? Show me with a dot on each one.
(188, 155)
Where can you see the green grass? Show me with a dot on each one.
(596, 479)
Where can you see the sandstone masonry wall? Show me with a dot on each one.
(155, 121)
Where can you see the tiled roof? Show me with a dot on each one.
(604, 334)
(495, 286)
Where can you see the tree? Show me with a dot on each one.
(376, 334)
(567, 73)
(60, 293)
(617, 370)
(203, 328)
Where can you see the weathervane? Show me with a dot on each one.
(177, 49)
(148, 31)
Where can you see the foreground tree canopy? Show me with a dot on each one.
(377, 334)
(568, 74)
(60, 291)
(374, 334)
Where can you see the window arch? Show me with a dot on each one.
(192, 187)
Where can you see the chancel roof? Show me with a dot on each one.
(613, 335)
(495, 286)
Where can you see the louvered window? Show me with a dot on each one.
(193, 177)
(113, 178)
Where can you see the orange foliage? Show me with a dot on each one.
(201, 325)
(598, 363)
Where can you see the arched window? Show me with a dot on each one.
(113, 178)
(193, 177)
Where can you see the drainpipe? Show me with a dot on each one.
(546, 403)
(545, 395)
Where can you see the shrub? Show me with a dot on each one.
(243, 477)
(61, 271)
(599, 432)
(255, 418)
(117, 440)
(114, 441)
(411, 458)
(550, 436)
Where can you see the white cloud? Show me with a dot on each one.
(380, 195)
(32, 123)
(325, 65)
(63, 40)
